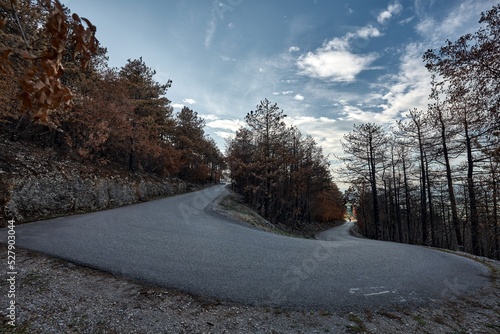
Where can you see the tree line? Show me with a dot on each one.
(56, 89)
(434, 178)
(281, 173)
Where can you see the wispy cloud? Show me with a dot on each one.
(463, 18)
(294, 49)
(298, 97)
(410, 86)
(226, 58)
(407, 20)
(189, 101)
(209, 33)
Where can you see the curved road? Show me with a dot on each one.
(179, 242)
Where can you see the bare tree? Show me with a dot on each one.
(365, 153)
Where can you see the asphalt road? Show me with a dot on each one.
(178, 242)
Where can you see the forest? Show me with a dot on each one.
(281, 173)
(433, 179)
(57, 90)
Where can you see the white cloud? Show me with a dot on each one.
(226, 124)
(384, 16)
(298, 97)
(334, 61)
(287, 92)
(368, 31)
(294, 49)
(189, 101)
(336, 65)
(209, 117)
(308, 120)
(395, 8)
(225, 134)
(183, 104)
(392, 10)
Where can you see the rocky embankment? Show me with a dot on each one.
(41, 183)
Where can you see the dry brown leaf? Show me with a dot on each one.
(6, 52)
(26, 55)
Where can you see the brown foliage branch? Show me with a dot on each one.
(41, 89)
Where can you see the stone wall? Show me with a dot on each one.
(32, 197)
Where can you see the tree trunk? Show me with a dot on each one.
(449, 180)
(408, 204)
(398, 209)
(373, 180)
(423, 196)
(429, 195)
(495, 221)
(474, 218)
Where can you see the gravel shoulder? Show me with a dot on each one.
(55, 296)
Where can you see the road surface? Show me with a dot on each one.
(180, 243)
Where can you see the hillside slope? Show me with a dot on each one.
(40, 183)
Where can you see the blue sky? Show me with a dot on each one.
(328, 64)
